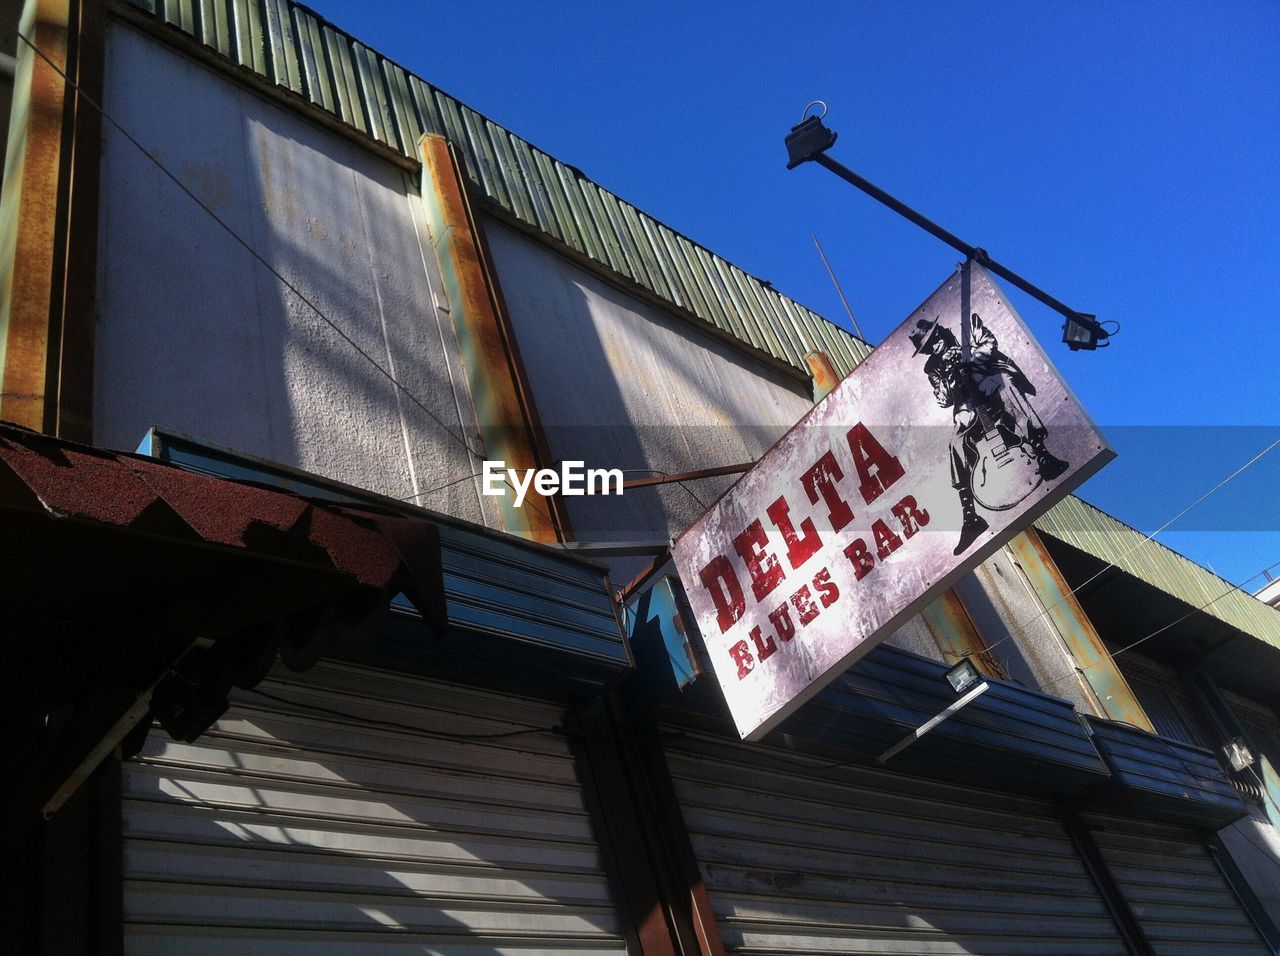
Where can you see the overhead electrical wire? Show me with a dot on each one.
(1019, 629)
(262, 260)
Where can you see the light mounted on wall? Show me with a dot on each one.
(963, 676)
(965, 679)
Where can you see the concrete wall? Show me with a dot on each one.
(194, 334)
(620, 383)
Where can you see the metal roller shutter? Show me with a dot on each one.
(287, 829)
(1174, 888)
(800, 857)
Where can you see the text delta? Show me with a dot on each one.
(877, 471)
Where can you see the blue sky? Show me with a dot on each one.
(1123, 156)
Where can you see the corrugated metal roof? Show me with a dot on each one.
(1080, 524)
(292, 47)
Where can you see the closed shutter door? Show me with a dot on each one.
(362, 828)
(799, 857)
(1174, 888)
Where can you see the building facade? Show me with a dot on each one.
(285, 679)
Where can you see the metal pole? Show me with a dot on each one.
(932, 722)
(978, 255)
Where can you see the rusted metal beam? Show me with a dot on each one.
(71, 352)
(689, 475)
(30, 216)
(957, 636)
(1092, 659)
(824, 374)
(49, 221)
(495, 381)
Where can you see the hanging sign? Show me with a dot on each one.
(950, 438)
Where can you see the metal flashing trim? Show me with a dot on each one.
(1081, 525)
(292, 47)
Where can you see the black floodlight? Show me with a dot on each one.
(963, 676)
(1083, 331)
(809, 137)
(1238, 755)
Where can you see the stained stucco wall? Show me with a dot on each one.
(620, 383)
(194, 334)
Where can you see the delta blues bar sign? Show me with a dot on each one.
(954, 435)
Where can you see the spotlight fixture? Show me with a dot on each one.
(1082, 331)
(965, 680)
(1238, 754)
(963, 676)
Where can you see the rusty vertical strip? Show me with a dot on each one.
(822, 372)
(556, 509)
(692, 908)
(29, 216)
(612, 804)
(1091, 656)
(72, 339)
(502, 403)
(957, 636)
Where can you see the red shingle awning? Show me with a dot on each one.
(113, 564)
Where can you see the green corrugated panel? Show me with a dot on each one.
(456, 132)
(544, 210)
(382, 124)
(283, 22)
(181, 14)
(288, 45)
(748, 290)
(602, 232)
(425, 99)
(521, 191)
(350, 107)
(1095, 532)
(692, 294)
(315, 67)
(728, 317)
(793, 344)
(214, 26)
(258, 41)
(247, 26)
(403, 109)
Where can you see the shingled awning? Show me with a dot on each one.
(113, 566)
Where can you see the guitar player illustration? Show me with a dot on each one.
(998, 455)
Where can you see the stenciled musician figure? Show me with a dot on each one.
(998, 456)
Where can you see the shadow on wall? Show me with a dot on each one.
(620, 383)
(196, 334)
(294, 830)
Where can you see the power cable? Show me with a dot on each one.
(664, 474)
(243, 242)
(393, 725)
(155, 161)
(1019, 629)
